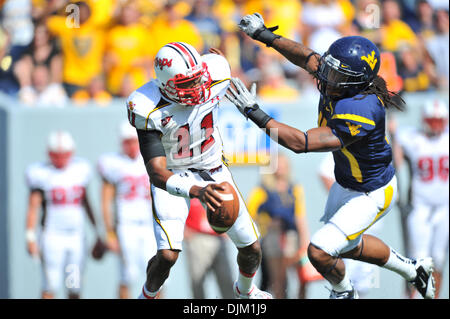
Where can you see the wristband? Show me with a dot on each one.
(258, 116)
(30, 235)
(180, 184)
(306, 142)
(266, 36)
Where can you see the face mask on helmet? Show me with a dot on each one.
(336, 80)
(435, 116)
(59, 159)
(60, 146)
(181, 74)
(190, 89)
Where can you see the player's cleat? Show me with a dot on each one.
(424, 281)
(254, 293)
(348, 294)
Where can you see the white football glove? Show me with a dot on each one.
(253, 26)
(251, 23)
(242, 98)
(245, 102)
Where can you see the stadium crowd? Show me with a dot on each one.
(56, 51)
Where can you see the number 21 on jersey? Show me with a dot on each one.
(183, 134)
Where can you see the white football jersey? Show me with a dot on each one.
(64, 191)
(130, 178)
(190, 134)
(429, 159)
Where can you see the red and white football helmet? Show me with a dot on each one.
(181, 74)
(129, 140)
(60, 147)
(435, 116)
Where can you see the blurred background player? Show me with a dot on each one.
(206, 253)
(126, 207)
(364, 276)
(278, 207)
(59, 187)
(426, 152)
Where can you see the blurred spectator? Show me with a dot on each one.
(126, 208)
(58, 186)
(95, 93)
(17, 21)
(128, 52)
(43, 54)
(278, 206)
(272, 84)
(394, 32)
(438, 47)
(41, 92)
(411, 69)
(323, 21)
(82, 45)
(207, 24)
(425, 16)
(170, 26)
(367, 21)
(16, 33)
(8, 82)
(206, 253)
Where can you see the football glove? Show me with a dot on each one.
(253, 26)
(245, 102)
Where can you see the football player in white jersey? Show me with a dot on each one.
(426, 151)
(176, 119)
(126, 188)
(59, 187)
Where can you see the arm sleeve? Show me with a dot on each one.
(150, 144)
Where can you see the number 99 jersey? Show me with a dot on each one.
(189, 134)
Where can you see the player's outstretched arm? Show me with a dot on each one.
(320, 139)
(300, 55)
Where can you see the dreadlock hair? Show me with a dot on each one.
(379, 88)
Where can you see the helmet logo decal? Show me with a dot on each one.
(370, 59)
(161, 63)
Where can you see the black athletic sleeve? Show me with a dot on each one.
(150, 144)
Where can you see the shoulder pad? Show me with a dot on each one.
(141, 103)
(107, 165)
(218, 66)
(35, 175)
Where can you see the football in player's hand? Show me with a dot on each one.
(224, 217)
